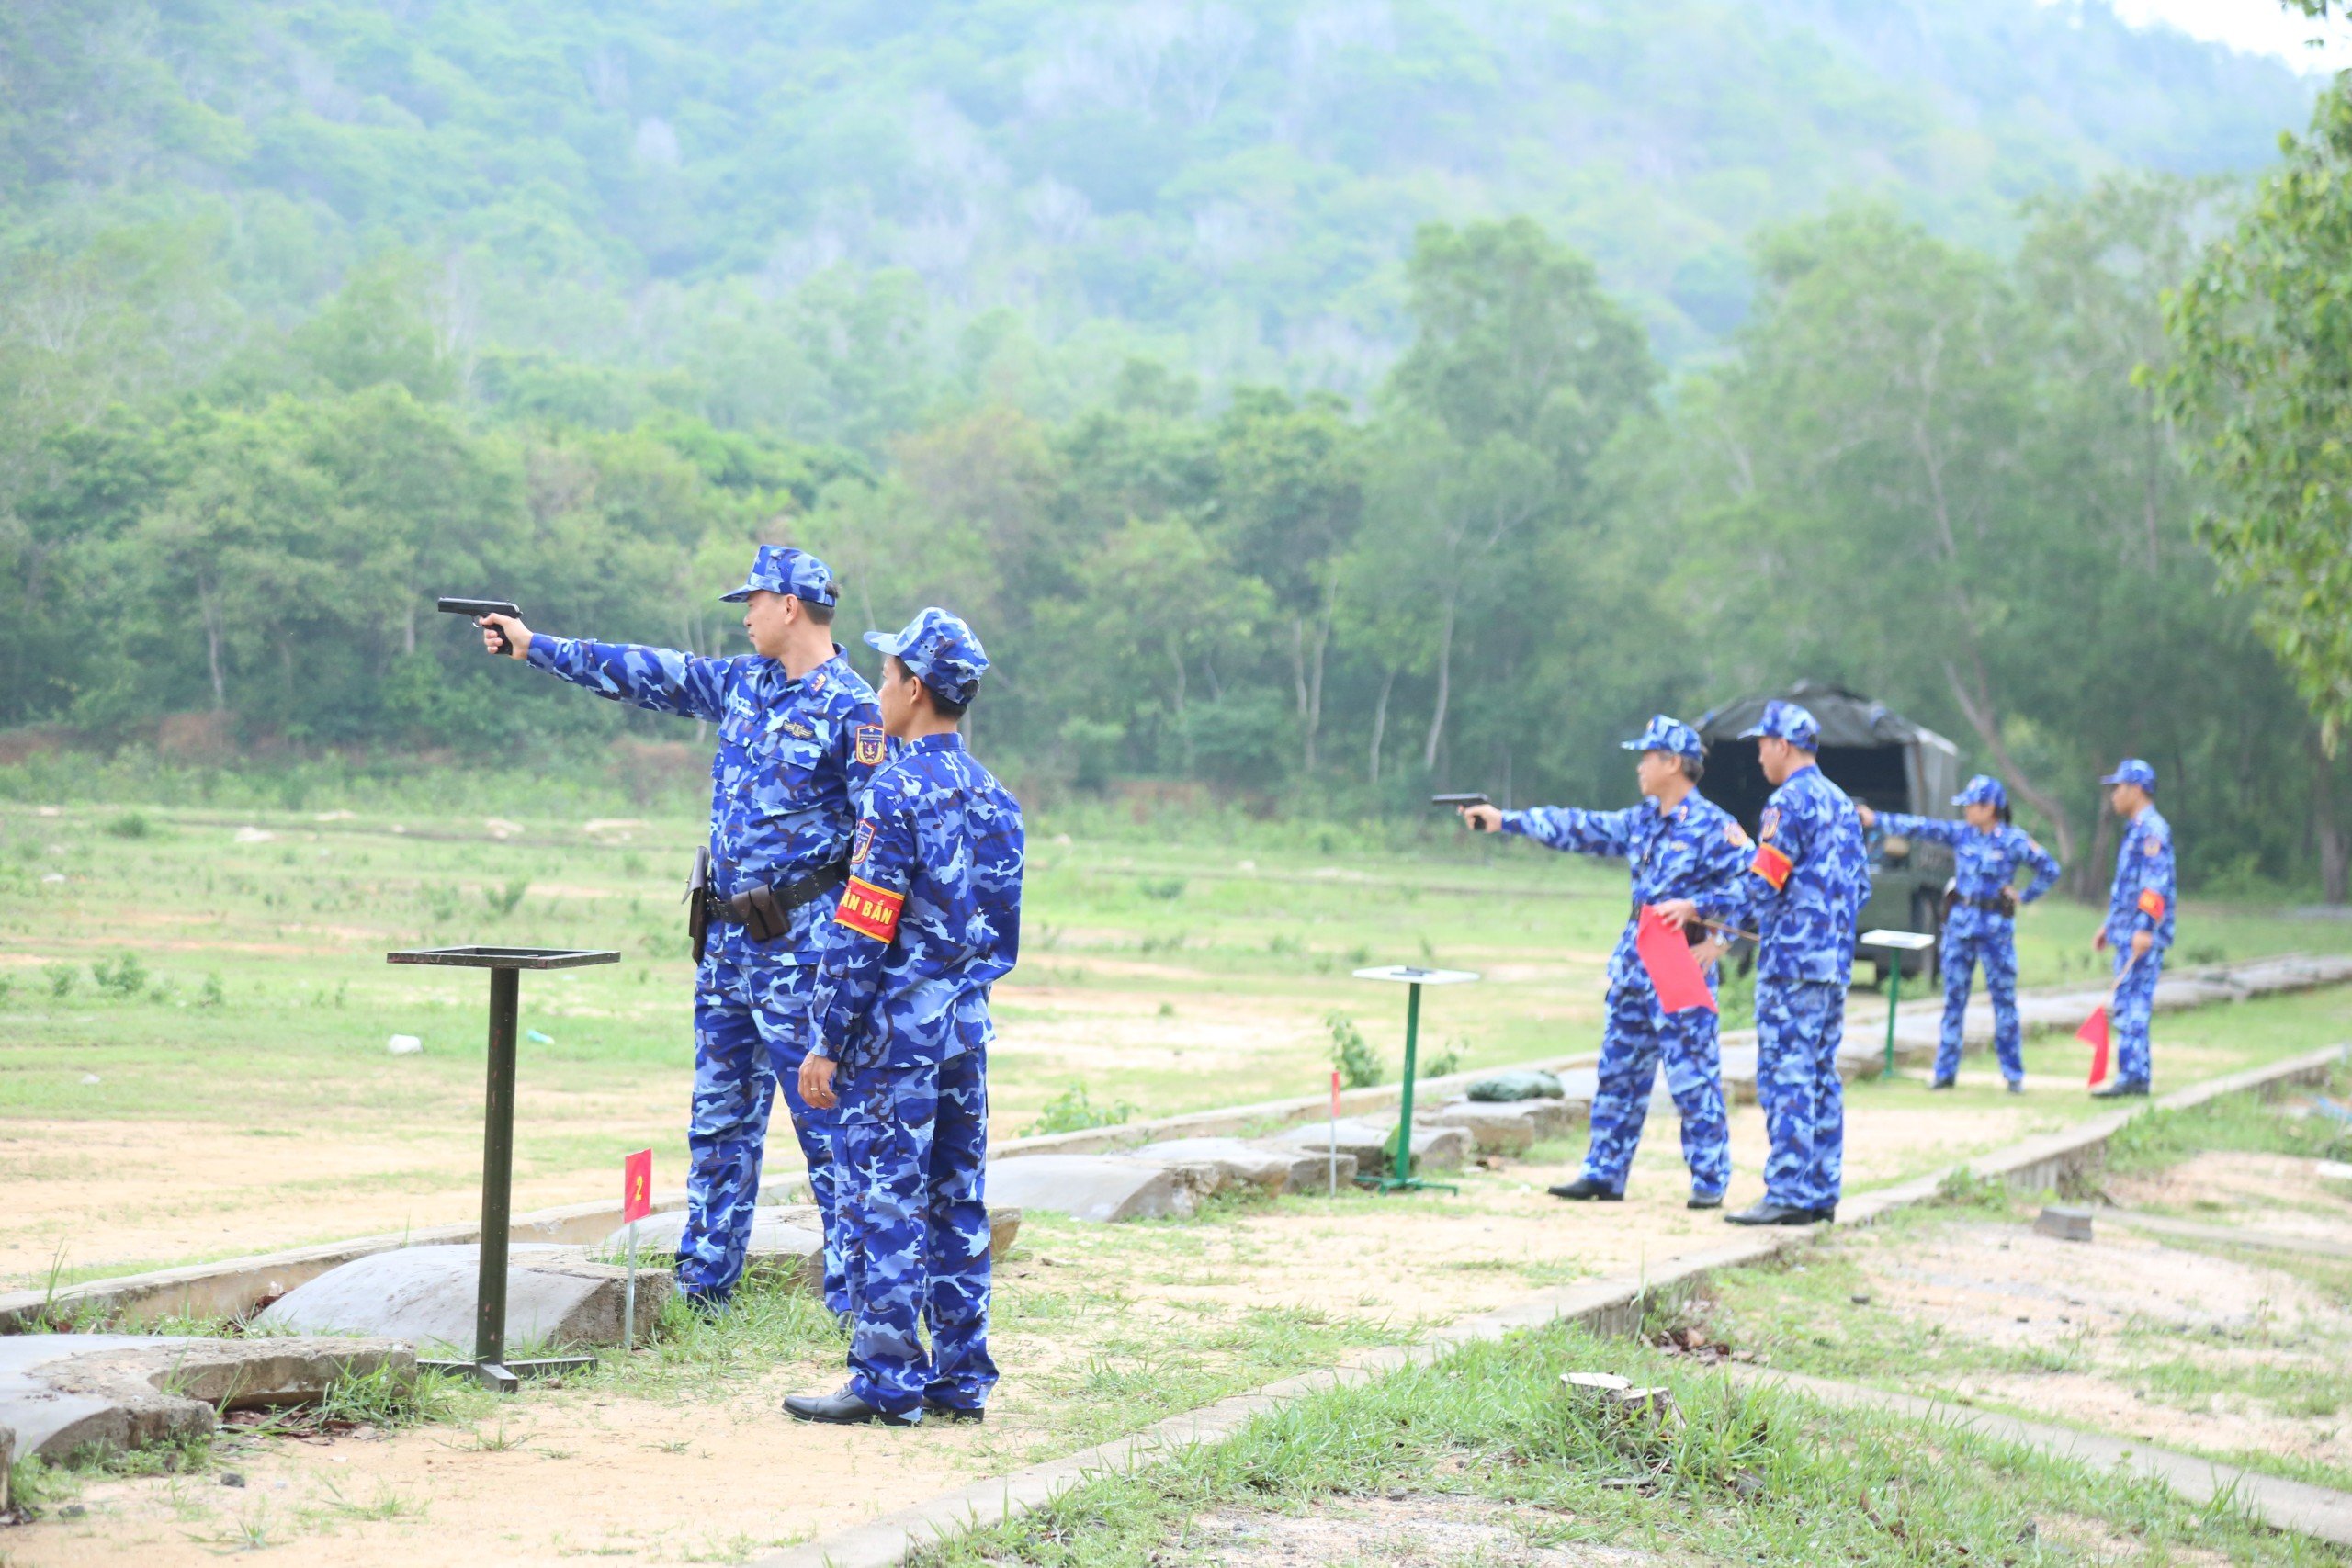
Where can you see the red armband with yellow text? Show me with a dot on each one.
(1772, 866)
(870, 910)
(2152, 904)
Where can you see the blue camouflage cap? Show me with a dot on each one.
(780, 568)
(1982, 790)
(942, 651)
(1786, 721)
(1666, 734)
(2132, 770)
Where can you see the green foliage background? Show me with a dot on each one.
(1309, 402)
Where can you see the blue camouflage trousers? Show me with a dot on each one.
(2135, 1003)
(914, 1152)
(1637, 1036)
(1798, 1026)
(1995, 947)
(750, 1033)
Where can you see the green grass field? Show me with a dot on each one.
(195, 1005)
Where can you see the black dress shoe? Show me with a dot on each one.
(843, 1409)
(1826, 1216)
(2017, 1086)
(1696, 1202)
(1771, 1213)
(710, 1309)
(1940, 1083)
(2120, 1091)
(1584, 1190)
(939, 1411)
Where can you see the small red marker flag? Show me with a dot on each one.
(1673, 969)
(2094, 1033)
(1335, 1092)
(636, 1186)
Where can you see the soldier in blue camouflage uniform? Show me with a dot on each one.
(1802, 894)
(2139, 920)
(799, 735)
(1980, 925)
(1679, 843)
(931, 921)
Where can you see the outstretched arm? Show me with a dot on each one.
(655, 678)
(1934, 830)
(1573, 830)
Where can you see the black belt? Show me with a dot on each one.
(761, 911)
(1994, 906)
(1694, 933)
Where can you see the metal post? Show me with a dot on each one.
(1401, 1167)
(497, 1172)
(1332, 1171)
(1894, 997)
(629, 1303)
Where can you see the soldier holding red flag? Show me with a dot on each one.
(2139, 922)
(1677, 841)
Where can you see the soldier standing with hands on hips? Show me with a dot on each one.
(1677, 842)
(1980, 913)
(798, 737)
(1802, 894)
(931, 921)
(2138, 928)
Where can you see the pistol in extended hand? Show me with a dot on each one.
(1454, 802)
(478, 608)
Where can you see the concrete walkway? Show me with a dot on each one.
(2225, 1235)
(2290, 1506)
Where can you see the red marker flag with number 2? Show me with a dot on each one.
(1673, 969)
(636, 1186)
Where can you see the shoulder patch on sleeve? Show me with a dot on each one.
(2152, 846)
(1770, 823)
(871, 746)
(1736, 835)
(870, 910)
(863, 845)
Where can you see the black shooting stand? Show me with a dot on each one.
(490, 1364)
(1400, 1176)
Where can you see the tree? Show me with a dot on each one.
(1520, 371)
(2262, 372)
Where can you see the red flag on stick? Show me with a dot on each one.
(1673, 969)
(2094, 1033)
(636, 1186)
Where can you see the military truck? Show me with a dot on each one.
(1883, 760)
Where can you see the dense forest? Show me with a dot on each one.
(1312, 402)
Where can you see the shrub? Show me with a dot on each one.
(1359, 1065)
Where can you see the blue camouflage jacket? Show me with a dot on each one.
(2144, 890)
(1674, 854)
(1806, 886)
(1985, 862)
(931, 917)
(790, 774)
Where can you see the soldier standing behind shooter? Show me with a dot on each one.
(932, 919)
(1980, 913)
(798, 737)
(2138, 928)
(1677, 842)
(1802, 894)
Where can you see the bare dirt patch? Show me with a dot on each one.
(2279, 1193)
(1415, 1529)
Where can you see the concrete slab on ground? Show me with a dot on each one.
(1508, 1127)
(1099, 1188)
(425, 1296)
(788, 1240)
(1434, 1149)
(1230, 1162)
(63, 1391)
